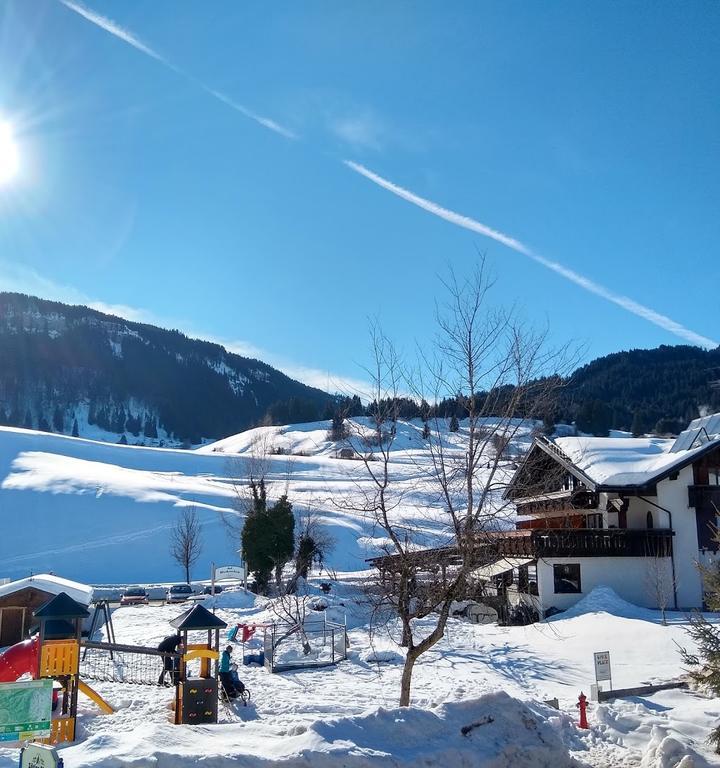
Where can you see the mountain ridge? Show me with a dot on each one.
(66, 367)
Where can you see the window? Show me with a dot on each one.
(649, 522)
(595, 520)
(567, 579)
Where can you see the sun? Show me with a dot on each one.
(9, 155)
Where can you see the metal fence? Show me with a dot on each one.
(312, 644)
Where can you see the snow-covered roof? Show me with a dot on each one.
(625, 461)
(48, 582)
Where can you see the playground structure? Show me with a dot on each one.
(196, 697)
(55, 653)
(195, 671)
(311, 644)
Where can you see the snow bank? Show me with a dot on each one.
(231, 598)
(500, 732)
(667, 752)
(605, 600)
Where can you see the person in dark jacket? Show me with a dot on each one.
(226, 674)
(171, 644)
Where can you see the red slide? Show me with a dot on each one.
(19, 659)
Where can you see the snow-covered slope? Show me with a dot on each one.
(99, 512)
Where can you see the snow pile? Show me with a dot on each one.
(493, 731)
(233, 598)
(375, 655)
(604, 599)
(667, 752)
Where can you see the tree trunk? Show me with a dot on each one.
(406, 679)
(187, 573)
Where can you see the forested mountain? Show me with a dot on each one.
(643, 390)
(75, 370)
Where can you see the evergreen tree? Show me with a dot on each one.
(58, 420)
(268, 536)
(638, 425)
(133, 424)
(150, 427)
(704, 665)
(28, 423)
(454, 424)
(44, 425)
(338, 430)
(118, 422)
(75, 430)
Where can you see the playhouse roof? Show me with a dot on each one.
(62, 606)
(198, 617)
(54, 585)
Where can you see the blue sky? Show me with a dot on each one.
(184, 163)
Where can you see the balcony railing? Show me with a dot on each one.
(704, 496)
(587, 542)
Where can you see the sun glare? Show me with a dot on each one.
(9, 155)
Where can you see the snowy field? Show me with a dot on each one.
(102, 513)
(346, 715)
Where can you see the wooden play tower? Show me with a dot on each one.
(196, 698)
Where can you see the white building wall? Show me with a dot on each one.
(635, 579)
(673, 494)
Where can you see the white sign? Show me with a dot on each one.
(230, 572)
(602, 666)
(40, 756)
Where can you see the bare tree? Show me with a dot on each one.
(186, 540)
(661, 585)
(498, 366)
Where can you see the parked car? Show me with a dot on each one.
(135, 596)
(178, 593)
(208, 590)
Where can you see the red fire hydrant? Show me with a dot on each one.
(582, 706)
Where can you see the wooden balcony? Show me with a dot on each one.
(704, 496)
(586, 542)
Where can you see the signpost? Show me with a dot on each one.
(27, 710)
(238, 572)
(602, 667)
(40, 756)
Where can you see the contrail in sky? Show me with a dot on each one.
(128, 37)
(626, 303)
(459, 220)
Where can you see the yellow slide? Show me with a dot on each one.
(96, 697)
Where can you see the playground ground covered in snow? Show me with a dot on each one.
(477, 696)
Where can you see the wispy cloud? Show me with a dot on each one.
(361, 131)
(124, 34)
(630, 305)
